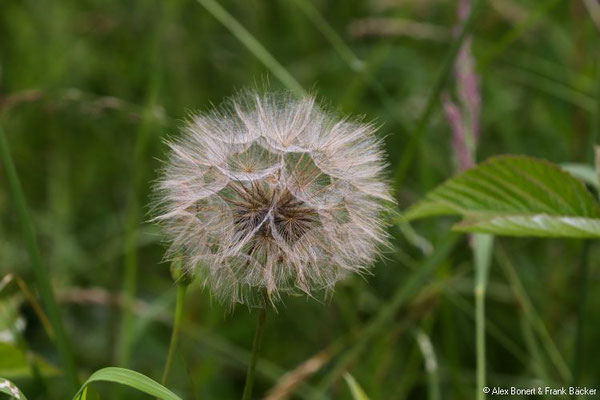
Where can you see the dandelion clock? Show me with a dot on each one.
(271, 194)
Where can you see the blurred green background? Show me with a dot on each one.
(89, 89)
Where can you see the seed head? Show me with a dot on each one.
(271, 192)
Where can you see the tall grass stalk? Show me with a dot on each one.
(40, 270)
(584, 269)
(482, 252)
(251, 374)
(536, 359)
(543, 7)
(345, 52)
(130, 274)
(377, 323)
(179, 307)
(412, 147)
(253, 45)
(134, 208)
(584, 272)
(431, 365)
(363, 68)
(532, 317)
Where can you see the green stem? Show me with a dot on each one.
(431, 365)
(532, 316)
(144, 136)
(253, 45)
(39, 268)
(409, 288)
(179, 305)
(413, 144)
(482, 249)
(260, 325)
(581, 303)
(480, 338)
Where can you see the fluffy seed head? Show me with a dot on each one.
(271, 192)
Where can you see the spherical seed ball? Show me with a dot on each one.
(272, 193)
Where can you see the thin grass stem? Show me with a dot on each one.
(532, 317)
(251, 374)
(431, 365)
(408, 288)
(412, 147)
(344, 51)
(584, 272)
(179, 307)
(536, 358)
(482, 251)
(40, 270)
(253, 45)
(511, 36)
(134, 208)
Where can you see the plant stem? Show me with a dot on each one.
(408, 288)
(179, 305)
(144, 135)
(533, 317)
(583, 288)
(482, 251)
(253, 45)
(431, 365)
(39, 268)
(412, 146)
(260, 325)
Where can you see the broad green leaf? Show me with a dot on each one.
(9, 388)
(14, 363)
(515, 196)
(357, 392)
(129, 378)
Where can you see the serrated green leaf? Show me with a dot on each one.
(9, 388)
(129, 378)
(357, 392)
(515, 196)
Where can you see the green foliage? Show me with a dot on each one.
(515, 196)
(9, 388)
(14, 363)
(81, 79)
(357, 392)
(40, 268)
(128, 378)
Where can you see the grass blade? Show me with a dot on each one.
(9, 388)
(330, 34)
(364, 69)
(505, 41)
(128, 378)
(482, 251)
(134, 212)
(253, 45)
(532, 316)
(412, 146)
(357, 392)
(431, 365)
(39, 268)
(407, 289)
